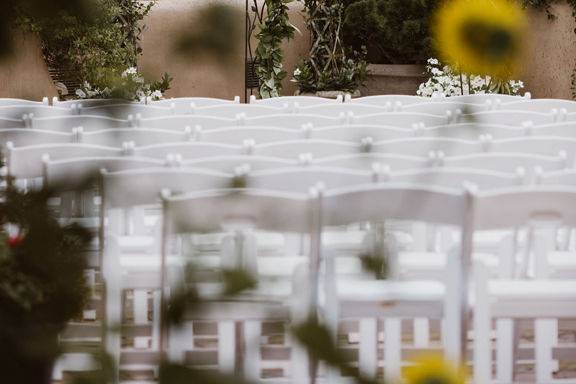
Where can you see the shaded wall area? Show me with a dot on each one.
(549, 62)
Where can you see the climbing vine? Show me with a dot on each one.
(274, 29)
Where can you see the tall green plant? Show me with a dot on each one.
(275, 28)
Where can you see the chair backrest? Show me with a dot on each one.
(211, 211)
(185, 104)
(422, 146)
(13, 123)
(122, 111)
(233, 162)
(472, 131)
(366, 161)
(355, 133)
(400, 119)
(301, 179)
(484, 97)
(318, 148)
(180, 122)
(565, 177)
(17, 111)
(377, 202)
(293, 121)
(292, 102)
(336, 109)
(24, 136)
(88, 123)
(390, 100)
(505, 117)
(138, 187)
(439, 108)
(541, 105)
(27, 162)
(543, 145)
(518, 206)
(71, 173)
(566, 129)
(139, 136)
(238, 135)
(189, 150)
(5, 102)
(456, 177)
(88, 103)
(503, 162)
(230, 111)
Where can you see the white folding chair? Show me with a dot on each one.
(540, 105)
(238, 135)
(544, 210)
(543, 145)
(27, 162)
(318, 148)
(233, 162)
(355, 133)
(239, 211)
(180, 122)
(192, 150)
(139, 136)
(482, 98)
(400, 119)
(230, 111)
(5, 102)
(293, 121)
(390, 101)
(502, 161)
(363, 299)
(294, 102)
(366, 161)
(122, 111)
(505, 117)
(301, 179)
(21, 137)
(88, 123)
(422, 146)
(17, 111)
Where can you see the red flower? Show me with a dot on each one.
(14, 241)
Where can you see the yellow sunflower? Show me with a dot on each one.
(480, 36)
(434, 369)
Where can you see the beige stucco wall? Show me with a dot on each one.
(550, 57)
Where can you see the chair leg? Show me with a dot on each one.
(226, 346)
(392, 348)
(368, 348)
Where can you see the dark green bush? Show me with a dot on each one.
(393, 31)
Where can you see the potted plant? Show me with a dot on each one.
(331, 67)
(397, 40)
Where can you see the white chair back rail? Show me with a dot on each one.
(188, 150)
(18, 122)
(483, 98)
(502, 161)
(399, 119)
(366, 161)
(386, 100)
(541, 105)
(122, 111)
(357, 132)
(231, 163)
(237, 135)
(440, 108)
(187, 102)
(27, 162)
(181, 122)
(565, 177)
(5, 102)
(17, 111)
(87, 103)
(88, 123)
(471, 131)
(293, 121)
(230, 111)
(319, 148)
(422, 146)
(140, 137)
(512, 118)
(295, 101)
(22, 137)
(542, 145)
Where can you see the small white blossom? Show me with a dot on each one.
(129, 71)
(297, 72)
(80, 93)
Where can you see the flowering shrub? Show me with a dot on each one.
(129, 85)
(443, 79)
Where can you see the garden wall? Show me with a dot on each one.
(549, 62)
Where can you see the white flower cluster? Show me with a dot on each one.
(132, 86)
(442, 79)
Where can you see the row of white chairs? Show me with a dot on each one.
(363, 299)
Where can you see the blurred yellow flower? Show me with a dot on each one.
(435, 369)
(480, 36)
